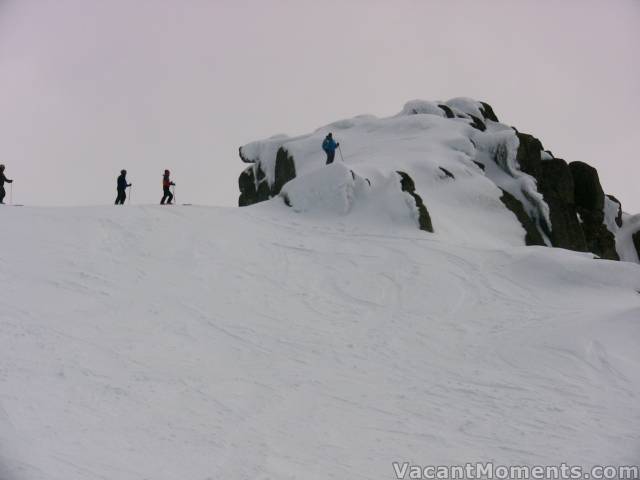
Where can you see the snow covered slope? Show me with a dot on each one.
(257, 343)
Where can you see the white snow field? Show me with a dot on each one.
(159, 343)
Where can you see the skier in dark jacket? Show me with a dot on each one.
(2, 180)
(122, 187)
(329, 146)
(166, 187)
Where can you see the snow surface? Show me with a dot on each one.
(624, 237)
(421, 141)
(258, 343)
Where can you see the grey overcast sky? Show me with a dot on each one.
(88, 87)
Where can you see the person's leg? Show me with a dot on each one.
(170, 199)
(167, 194)
(2, 194)
(330, 156)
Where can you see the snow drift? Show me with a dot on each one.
(481, 181)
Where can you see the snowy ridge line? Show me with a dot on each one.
(481, 181)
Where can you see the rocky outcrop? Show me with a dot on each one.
(532, 235)
(447, 111)
(575, 199)
(285, 170)
(478, 124)
(557, 204)
(407, 185)
(253, 184)
(589, 200)
(487, 112)
(529, 153)
(588, 191)
(555, 182)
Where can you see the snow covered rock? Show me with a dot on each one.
(533, 236)
(407, 184)
(473, 179)
(338, 191)
(253, 182)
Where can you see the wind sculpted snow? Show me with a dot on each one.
(209, 343)
(480, 182)
(464, 203)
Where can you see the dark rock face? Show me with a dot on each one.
(636, 241)
(532, 236)
(407, 185)
(487, 112)
(478, 124)
(481, 166)
(589, 199)
(285, 170)
(447, 111)
(556, 185)
(619, 215)
(575, 199)
(588, 191)
(448, 173)
(247, 185)
(529, 154)
(254, 186)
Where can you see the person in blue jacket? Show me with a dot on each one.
(329, 146)
(122, 188)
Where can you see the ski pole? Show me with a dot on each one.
(340, 150)
(173, 192)
(11, 194)
(130, 193)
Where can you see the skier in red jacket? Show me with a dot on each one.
(166, 187)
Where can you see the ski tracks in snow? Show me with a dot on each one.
(215, 343)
